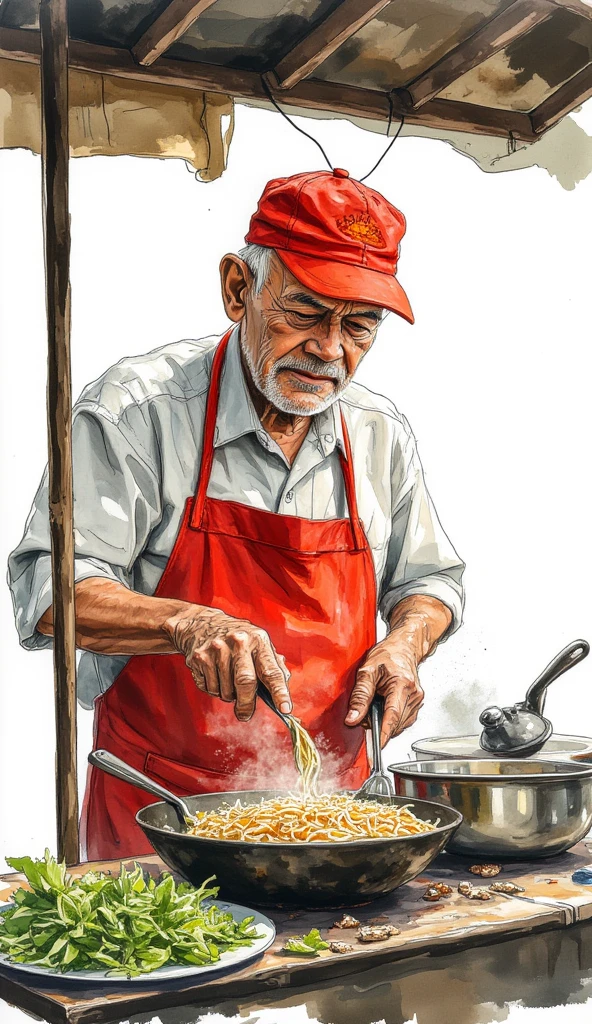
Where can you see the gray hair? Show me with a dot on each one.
(258, 260)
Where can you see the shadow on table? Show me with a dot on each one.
(470, 987)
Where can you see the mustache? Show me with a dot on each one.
(312, 364)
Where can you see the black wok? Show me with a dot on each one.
(311, 874)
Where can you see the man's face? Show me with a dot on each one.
(301, 348)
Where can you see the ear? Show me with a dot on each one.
(235, 278)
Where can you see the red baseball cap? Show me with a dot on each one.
(335, 235)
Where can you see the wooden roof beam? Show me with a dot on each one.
(551, 110)
(167, 28)
(344, 22)
(515, 21)
(349, 101)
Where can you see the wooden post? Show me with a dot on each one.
(53, 20)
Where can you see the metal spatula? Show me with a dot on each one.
(113, 765)
(377, 786)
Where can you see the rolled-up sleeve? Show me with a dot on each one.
(421, 558)
(116, 504)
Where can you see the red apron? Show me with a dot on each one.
(310, 583)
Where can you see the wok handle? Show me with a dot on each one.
(113, 765)
(566, 659)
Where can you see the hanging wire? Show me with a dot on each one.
(316, 141)
(393, 140)
(290, 121)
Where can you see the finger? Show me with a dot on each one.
(219, 657)
(195, 668)
(225, 673)
(361, 696)
(272, 676)
(402, 704)
(282, 663)
(245, 684)
(210, 673)
(395, 707)
(410, 715)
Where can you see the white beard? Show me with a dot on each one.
(269, 386)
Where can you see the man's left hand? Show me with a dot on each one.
(390, 669)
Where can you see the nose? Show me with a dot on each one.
(327, 344)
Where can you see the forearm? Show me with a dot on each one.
(110, 619)
(419, 621)
(227, 657)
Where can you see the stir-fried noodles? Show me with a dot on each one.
(294, 819)
(308, 817)
(306, 757)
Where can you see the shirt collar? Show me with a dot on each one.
(236, 414)
(328, 429)
(237, 417)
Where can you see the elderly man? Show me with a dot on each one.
(242, 510)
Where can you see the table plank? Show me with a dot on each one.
(450, 924)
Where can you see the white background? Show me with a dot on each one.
(494, 378)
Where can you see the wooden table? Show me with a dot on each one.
(550, 901)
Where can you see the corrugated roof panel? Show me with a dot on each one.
(19, 14)
(403, 41)
(529, 69)
(253, 36)
(109, 22)
(112, 22)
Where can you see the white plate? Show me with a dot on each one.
(231, 960)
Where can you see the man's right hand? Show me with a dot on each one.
(227, 657)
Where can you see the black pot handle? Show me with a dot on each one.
(566, 659)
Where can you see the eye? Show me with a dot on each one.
(304, 318)
(361, 328)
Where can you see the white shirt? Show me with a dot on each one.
(137, 435)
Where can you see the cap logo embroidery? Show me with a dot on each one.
(362, 228)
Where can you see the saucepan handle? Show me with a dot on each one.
(566, 659)
(113, 765)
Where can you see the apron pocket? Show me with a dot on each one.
(189, 778)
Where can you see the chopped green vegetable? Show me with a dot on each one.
(130, 924)
(306, 945)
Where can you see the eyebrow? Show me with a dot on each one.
(309, 300)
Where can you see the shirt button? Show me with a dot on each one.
(328, 438)
(264, 440)
(289, 495)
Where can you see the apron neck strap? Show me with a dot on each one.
(207, 449)
(207, 454)
(347, 466)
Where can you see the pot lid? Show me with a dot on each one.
(468, 747)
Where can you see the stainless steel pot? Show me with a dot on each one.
(510, 808)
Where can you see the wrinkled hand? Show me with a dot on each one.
(390, 669)
(227, 657)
